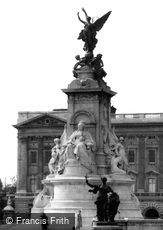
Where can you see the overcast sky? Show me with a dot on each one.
(38, 43)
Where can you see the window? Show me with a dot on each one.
(152, 184)
(131, 156)
(152, 155)
(47, 121)
(47, 156)
(33, 157)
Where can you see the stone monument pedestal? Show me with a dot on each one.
(70, 194)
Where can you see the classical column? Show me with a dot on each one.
(40, 164)
(22, 165)
(103, 125)
(161, 162)
(141, 163)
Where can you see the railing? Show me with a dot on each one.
(145, 194)
(138, 116)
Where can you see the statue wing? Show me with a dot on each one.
(98, 24)
(112, 137)
(64, 137)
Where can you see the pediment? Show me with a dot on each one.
(132, 172)
(152, 172)
(41, 121)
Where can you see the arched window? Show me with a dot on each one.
(151, 213)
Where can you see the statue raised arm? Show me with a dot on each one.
(107, 200)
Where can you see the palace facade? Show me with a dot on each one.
(143, 135)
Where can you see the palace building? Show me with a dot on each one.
(143, 140)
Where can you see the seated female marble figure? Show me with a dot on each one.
(80, 145)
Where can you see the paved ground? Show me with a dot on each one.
(20, 227)
(28, 227)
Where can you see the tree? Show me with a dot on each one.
(1, 185)
(11, 187)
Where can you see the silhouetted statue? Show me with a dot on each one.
(97, 65)
(44, 222)
(88, 34)
(107, 201)
(84, 61)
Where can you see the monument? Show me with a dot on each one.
(88, 147)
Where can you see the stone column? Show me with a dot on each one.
(104, 124)
(22, 165)
(40, 164)
(141, 163)
(161, 162)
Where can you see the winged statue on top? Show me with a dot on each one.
(88, 34)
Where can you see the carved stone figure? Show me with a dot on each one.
(80, 146)
(88, 34)
(107, 201)
(119, 157)
(79, 221)
(115, 151)
(53, 163)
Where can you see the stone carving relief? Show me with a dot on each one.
(86, 97)
(115, 151)
(44, 121)
(131, 140)
(151, 140)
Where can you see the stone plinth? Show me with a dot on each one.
(70, 194)
(74, 168)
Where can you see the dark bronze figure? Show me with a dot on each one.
(107, 201)
(88, 34)
(97, 65)
(84, 61)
